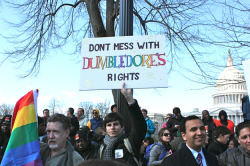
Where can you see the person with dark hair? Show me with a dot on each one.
(96, 121)
(58, 151)
(83, 144)
(5, 134)
(117, 144)
(210, 125)
(239, 156)
(147, 141)
(161, 149)
(167, 118)
(225, 122)
(74, 125)
(114, 108)
(83, 120)
(150, 124)
(41, 128)
(178, 142)
(99, 162)
(46, 115)
(233, 143)
(219, 145)
(192, 154)
(173, 124)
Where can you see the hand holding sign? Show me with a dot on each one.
(128, 94)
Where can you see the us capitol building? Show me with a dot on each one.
(230, 88)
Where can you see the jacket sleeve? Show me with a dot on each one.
(139, 126)
(230, 126)
(89, 125)
(151, 127)
(226, 158)
(154, 156)
(170, 126)
(164, 125)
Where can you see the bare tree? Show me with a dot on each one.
(6, 109)
(104, 108)
(88, 107)
(55, 106)
(189, 25)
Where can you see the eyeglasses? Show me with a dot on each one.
(166, 134)
(94, 112)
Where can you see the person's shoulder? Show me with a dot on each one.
(77, 158)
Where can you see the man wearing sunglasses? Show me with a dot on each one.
(96, 121)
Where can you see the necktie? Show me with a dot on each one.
(199, 159)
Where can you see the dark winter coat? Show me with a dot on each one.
(234, 157)
(217, 148)
(171, 126)
(139, 128)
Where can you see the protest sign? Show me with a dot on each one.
(140, 61)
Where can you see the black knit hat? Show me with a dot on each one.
(6, 118)
(83, 133)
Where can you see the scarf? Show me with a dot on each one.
(111, 142)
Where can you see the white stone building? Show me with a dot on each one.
(230, 88)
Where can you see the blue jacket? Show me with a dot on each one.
(150, 127)
(95, 123)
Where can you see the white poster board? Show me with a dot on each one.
(246, 67)
(139, 61)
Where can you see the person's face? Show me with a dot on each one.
(224, 138)
(177, 115)
(46, 114)
(205, 115)
(114, 109)
(57, 135)
(68, 113)
(41, 129)
(168, 117)
(244, 139)
(166, 136)
(144, 114)
(79, 112)
(222, 117)
(146, 143)
(95, 115)
(195, 134)
(114, 128)
(82, 144)
(231, 144)
(5, 128)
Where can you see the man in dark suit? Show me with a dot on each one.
(192, 154)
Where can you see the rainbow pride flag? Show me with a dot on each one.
(23, 148)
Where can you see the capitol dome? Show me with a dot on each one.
(231, 85)
(230, 75)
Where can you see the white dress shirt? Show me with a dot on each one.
(195, 154)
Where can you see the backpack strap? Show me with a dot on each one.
(163, 151)
(130, 150)
(101, 150)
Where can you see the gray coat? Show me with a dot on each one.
(234, 157)
(155, 153)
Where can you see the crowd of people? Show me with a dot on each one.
(185, 141)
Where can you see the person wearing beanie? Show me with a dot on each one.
(225, 122)
(83, 143)
(5, 134)
(96, 121)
